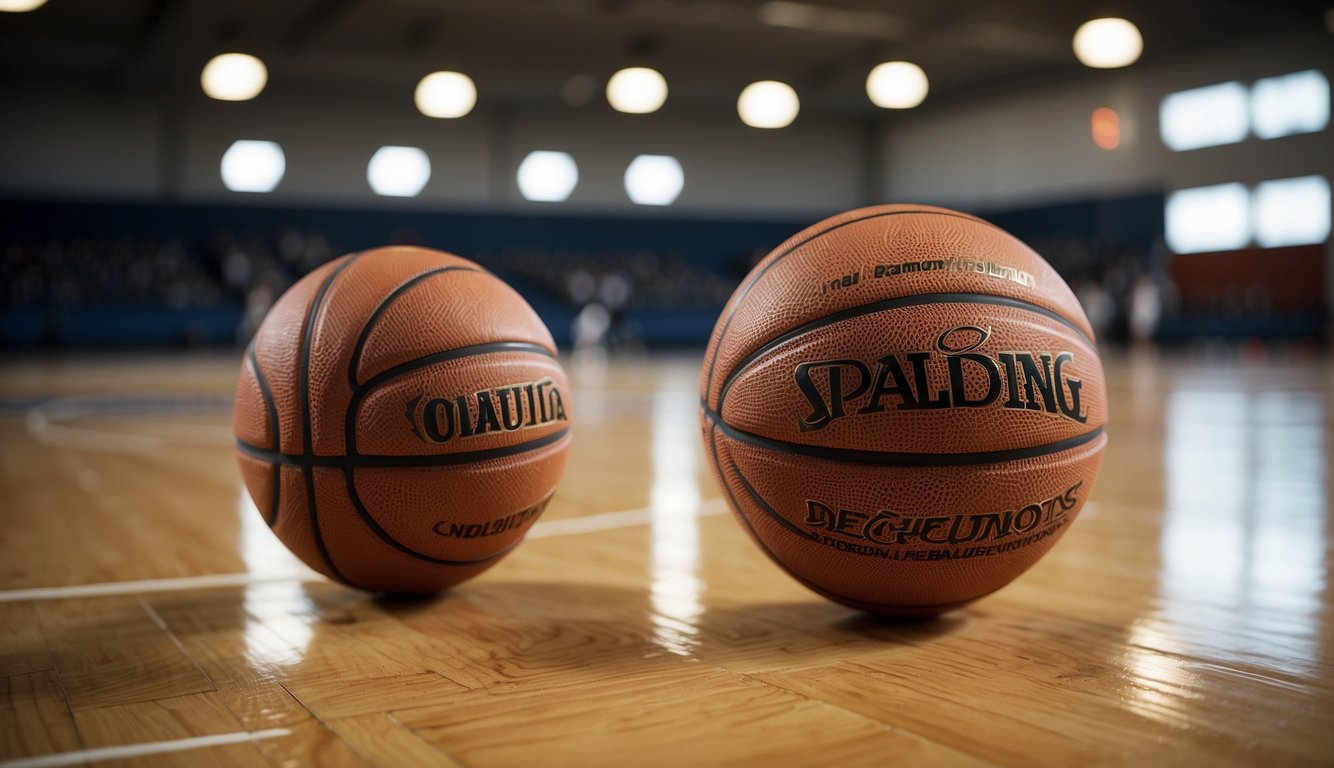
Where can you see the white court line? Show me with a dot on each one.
(44, 423)
(107, 589)
(607, 521)
(81, 756)
(569, 527)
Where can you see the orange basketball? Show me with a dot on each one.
(904, 406)
(401, 419)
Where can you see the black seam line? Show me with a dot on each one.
(267, 396)
(722, 477)
(307, 336)
(307, 461)
(453, 354)
(360, 392)
(380, 310)
(897, 303)
(903, 459)
(309, 474)
(770, 511)
(384, 536)
(745, 289)
(736, 505)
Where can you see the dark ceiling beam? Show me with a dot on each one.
(135, 69)
(319, 17)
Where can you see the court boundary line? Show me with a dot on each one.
(44, 419)
(574, 526)
(126, 751)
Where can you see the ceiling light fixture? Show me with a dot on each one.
(446, 95)
(1108, 43)
(20, 6)
(768, 104)
(637, 90)
(234, 77)
(896, 85)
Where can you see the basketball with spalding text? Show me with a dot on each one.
(905, 408)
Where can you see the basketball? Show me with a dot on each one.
(401, 419)
(904, 406)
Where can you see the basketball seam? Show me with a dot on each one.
(736, 505)
(306, 461)
(452, 354)
(360, 392)
(383, 306)
(307, 337)
(768, 509)
(384, 536)
(267, 396)
(745, 289)
(902, 458)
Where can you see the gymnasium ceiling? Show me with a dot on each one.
(522, 53)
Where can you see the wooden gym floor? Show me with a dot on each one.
(147, 615)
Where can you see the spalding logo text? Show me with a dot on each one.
(1033, 381)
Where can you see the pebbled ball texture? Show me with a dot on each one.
(904, 406)
(401, 419)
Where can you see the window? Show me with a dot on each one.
(1291, 211)
(547, 176)
(253, 166)
(1204, 117)
(398, 171)
(654, 180)
(1213, 218)
(1296, 103)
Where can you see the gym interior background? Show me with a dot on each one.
(1185, 197)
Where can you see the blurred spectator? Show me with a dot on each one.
(581, 286)
(1145, 310)
(650, 279)
(257, 304)
(100, 273)
(591, 326)
(1098, 306)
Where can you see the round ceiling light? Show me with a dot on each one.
(637, 90)
(896, 85)
(446, 94)
(20, 6)
(234, 77)
(1108, 43)
(768, 104)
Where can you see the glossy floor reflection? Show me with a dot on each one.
(1186, 618)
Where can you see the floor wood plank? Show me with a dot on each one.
(387, 743)
(111, 652)
(34, 719)
(22, 645)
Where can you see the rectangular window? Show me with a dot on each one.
(1296, 103)
(1291, 211)
(1205, 117)
(1213, 218)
